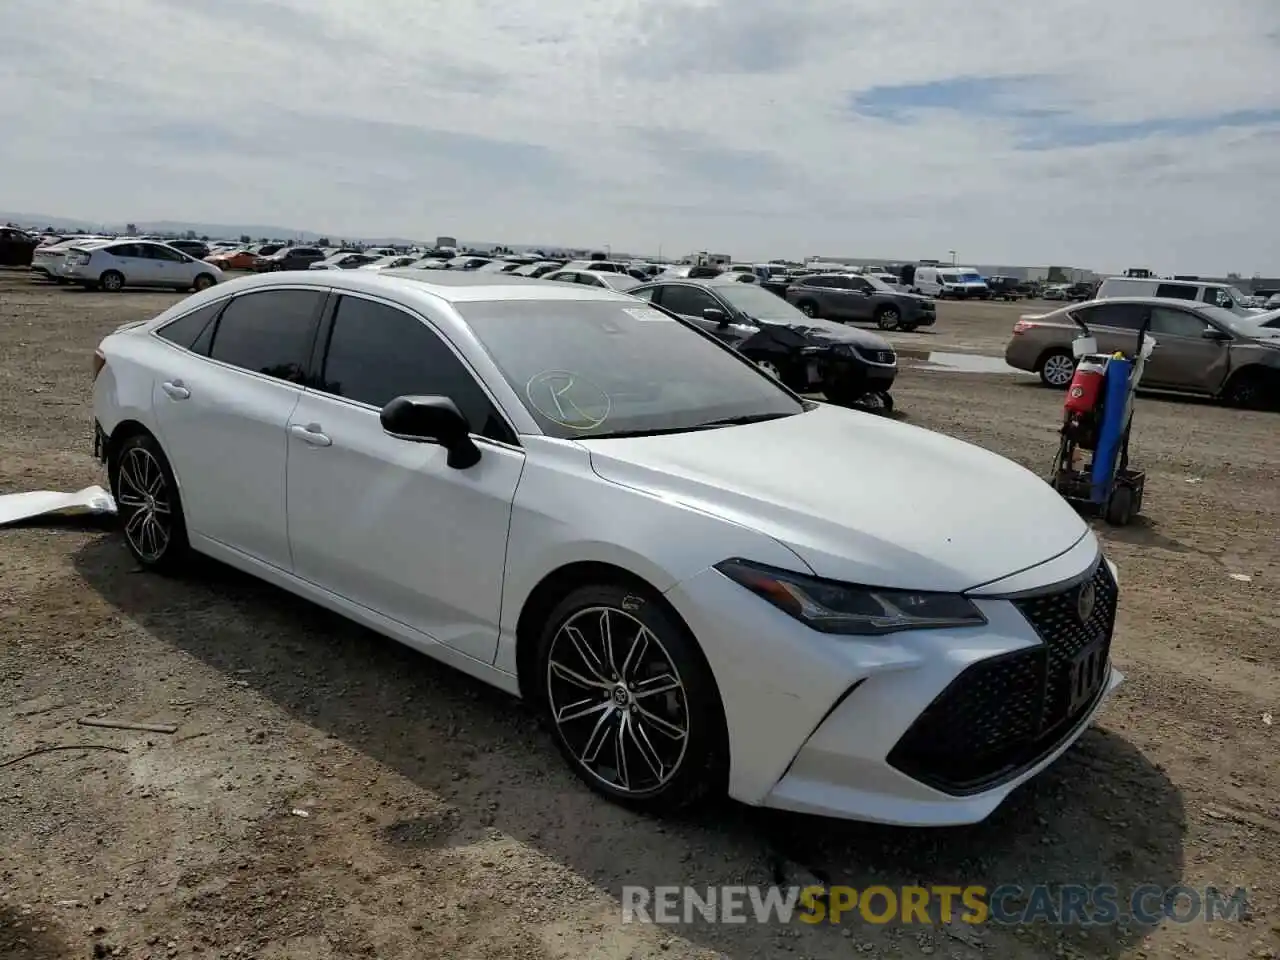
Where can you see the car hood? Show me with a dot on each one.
(858, 497)
(825, 332)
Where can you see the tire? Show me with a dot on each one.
(888, 318)
(112, 281)
(1120, 507)
(1054, 372)
(841, 394)
(771, 368)
(673, 740)
(203, 282)
(146, 494)
(808, 308)
(1249, 390)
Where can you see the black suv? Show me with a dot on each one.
(847, 365)
(849, 296)
(16, 247)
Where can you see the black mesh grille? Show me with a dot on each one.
(1003, 714)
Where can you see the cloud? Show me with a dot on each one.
(1084, 133)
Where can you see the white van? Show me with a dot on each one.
(958, 282)
(1219, 294)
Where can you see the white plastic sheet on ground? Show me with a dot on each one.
(41, 503)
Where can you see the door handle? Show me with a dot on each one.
(311, 434)
(175, 389)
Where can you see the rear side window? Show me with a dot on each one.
(124, 250)
(269, 332)
(1119, 316)
(1176, 291)
(188, 331)
(378, 352)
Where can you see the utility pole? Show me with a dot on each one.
(953, 257)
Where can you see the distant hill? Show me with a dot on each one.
(219, 231)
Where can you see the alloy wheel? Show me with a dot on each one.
(1058, 370)
(888, 319)
(769, 367)
(617, 700)
(143, 494)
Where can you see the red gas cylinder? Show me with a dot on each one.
(1085, 392)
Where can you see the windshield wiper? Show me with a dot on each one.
(745, 418)
(705, 425)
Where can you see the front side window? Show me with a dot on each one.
(378, 352)
(270, 332)
(595, 368)
(1176, 323)
(688, 301)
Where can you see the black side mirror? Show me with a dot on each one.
(432, 420)
(715, 315)
(1213, 333)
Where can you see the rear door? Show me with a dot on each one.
(1183, 359)
(1115, 325)
(131, 259)
(223, 419)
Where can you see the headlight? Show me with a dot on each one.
(831, 607)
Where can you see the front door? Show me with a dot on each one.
(689, 301)
(387, 523)
(224, 424)
(1183, 359)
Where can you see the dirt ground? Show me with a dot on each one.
(440, 822)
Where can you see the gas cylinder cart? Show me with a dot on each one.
(1092, 469)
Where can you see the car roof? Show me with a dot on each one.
(453, 286)
(1150, 301)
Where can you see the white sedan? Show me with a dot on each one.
(702, 580)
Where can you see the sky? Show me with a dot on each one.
(1087, 133)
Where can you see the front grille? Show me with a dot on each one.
(1003, 714)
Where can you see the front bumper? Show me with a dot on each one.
(844, 726)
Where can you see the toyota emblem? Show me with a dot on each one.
(1085, 602)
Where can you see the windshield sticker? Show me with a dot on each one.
(569, 400)
(646, 314)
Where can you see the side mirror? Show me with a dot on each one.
(1213, 333)
(715, 315)
(432, 420)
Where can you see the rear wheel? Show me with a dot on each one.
(630, 699)
(1250, 390)
(112, 281)
(808, 308)
(146, 495)
(1120, 507)
(1057, 367)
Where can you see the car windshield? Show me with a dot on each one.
(948, 278)
(619, 281)
(1253, 326)
(1237, 296)
(596, 368)
(879, 283)
(970, 278)
(759, 304)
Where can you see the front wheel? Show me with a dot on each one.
(203, 282)
(808, 308)
(1057, 368)
(631, 700)
(146, 495)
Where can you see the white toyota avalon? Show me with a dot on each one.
(703, 581)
